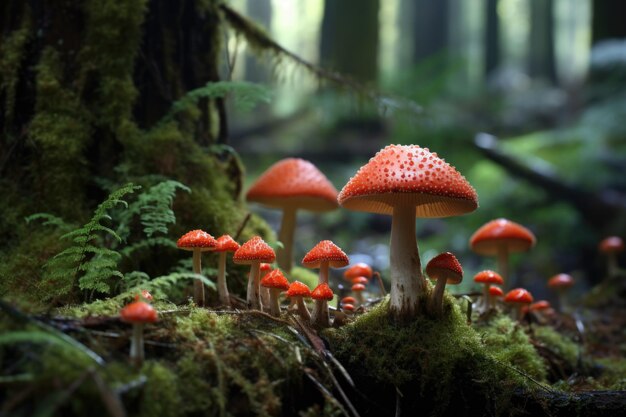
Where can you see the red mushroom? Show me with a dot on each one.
(360, 269)
(499, 238)
(265, 292)
(358, 289)
(561, 283)
(407, 182)
(445, 269)
(325, 255)
(145, 295)
(487, 278)
(225, 244)
(298, 291)
(347, 307)
(252, 253)
(321, 294)
(495, 293)
(518, 298)
(292, 184)
(138, 313)
(348, 300)
(197, 241)
(276, 282)
(611, 247)
(539, 306)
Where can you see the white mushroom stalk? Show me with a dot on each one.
(284, 255)
(253, 298)
(222, 288)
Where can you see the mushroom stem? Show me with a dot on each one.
(320, 316)
(503, 264)
(222, 289)
(274, 305)
(287, 227)
(302, 310)
(518, 311)
(323, 278)
(487, 300)
(437, 296)
(407, 281)
(136, 344)
(612, 266)
(198, 286)
(254, 287)
(359, 297)
(563, 304)
(265, 298)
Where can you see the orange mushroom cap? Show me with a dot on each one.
(501, 232)
(539, 305)
(265, 267)
(225, 243)
(298, 289)
(445, 265)
(145, 294)
(325, 251)
(409, 174)
(495, 291)
(275, 279)
(360, 280)
(360, 269)
(518, 295)
(347, 307)
(611, 244)
(348, 300)
(254, 250)
(196, 239)
(560, 281)
(322, 292)
(296, 183)
(358, 287)
(138, 312)
(488, 277)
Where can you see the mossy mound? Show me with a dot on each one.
(436, 366)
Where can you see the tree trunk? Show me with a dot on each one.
(430, 34)
(541, 58)
(492, 37)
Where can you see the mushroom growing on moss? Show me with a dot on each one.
(611, 247)
(407, 182)
(292, 184)
(138, 313)
(275, 282)
(225, 244)
(446, 269)
(321, 294)
(325, 255)
(360, 269)
(500, 238)
(487, 278)
(299, 291)
(197, 241)
(561, 283)
(252, 253)
(518, 298)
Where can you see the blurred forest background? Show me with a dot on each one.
(543, 80)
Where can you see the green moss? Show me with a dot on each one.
(159, 396)
(560, 344)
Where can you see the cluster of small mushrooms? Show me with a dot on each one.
(402, 181)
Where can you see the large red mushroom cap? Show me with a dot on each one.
(611, 244)
(501, 232)
(196, 239)
(325, 251)
(322, 292)
(560, 281)
(400, 174)
(298, 289)
(254, 250)
(138, 312)
(225, 243)
(360, 269)
(275, 279)
(518, 296)
(488, 277)
(445, 265)
(296, 183)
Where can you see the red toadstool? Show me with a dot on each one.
(138, 313)
(321, 294)
(518, 298)
(252, 253)
(275, 282)
(360, 269)
(358, 289)
(197, 241)
(298, 291)
(225, 244)
(611, 246)
(325, 255)
(407, 182)
(446, 269)
(487, 278)
(292, 184)
(561, 283)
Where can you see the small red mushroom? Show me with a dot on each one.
(348, 300)
(360, 269)
(358, 289)
(197, 241)
(495, 292)
(276, 282)
(611, 247)
(518, 298)
(561, 283)
(138, 313)
(321, 294)
(253, 253)
(225, 244)
(297, 290)
(487, 278)
(144, 294)
(325, 255)
(360, 280)
(446, 269)
(347, 307)
(265, 292)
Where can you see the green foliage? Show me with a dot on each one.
(155, 206)
(50, 220)
(85, 263)
(162, 285)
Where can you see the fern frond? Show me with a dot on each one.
(49, 220)
(165, 283)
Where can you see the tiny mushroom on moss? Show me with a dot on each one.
(298, 291)
(518, 298)
(488, 278)
(225, 244)
(292, 184)
(561, 283)
(253, 253)
(611, 247)
(197, 241)
(265, 292)
(406, 181)
(360, 269)
(446, 269)
(145, 295)
(495, 292)
(325, 255)
(500, 238)
(275, 282)
(321, 294)
(358, 289)
(138, 313)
